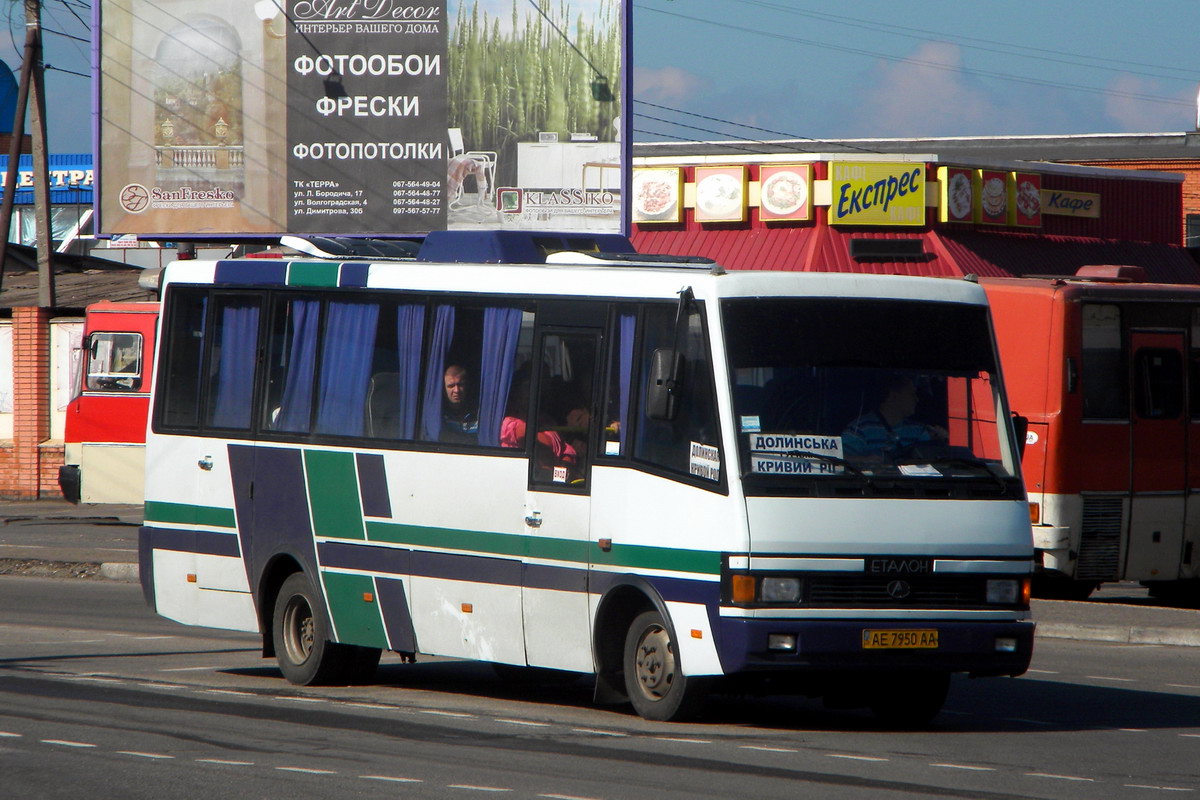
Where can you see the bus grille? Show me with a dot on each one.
(872, 592)
(1100, 539)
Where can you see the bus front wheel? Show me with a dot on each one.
(654, 679)
(301, 634)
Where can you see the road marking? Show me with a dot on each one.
(1109, 678)
(598, 732)
(307, 770)
(7, 735)
(225, 762)
(680, 739)
(373, 706)
(1191, 735)
(524, 722)
(437, 713)
(186, 669)
(65, 743)
(767, 749)
(1043, 671)
(1159, 788)
(564, 797)
(301, 699)
(965, 766)
(855, 758)
(1132, 730)
(1060, 777)
(234, 692)
(471, 788)
(390, 778)
(142, 755)
(1183, 686)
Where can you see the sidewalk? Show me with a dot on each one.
(54, 531)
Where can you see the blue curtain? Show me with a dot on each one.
(627, 325)
(237, 331)
(439, 345)
(295, 407)
(346, 355)
(501, 330)
(410, 329)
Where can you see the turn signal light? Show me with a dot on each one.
(1035, 513)
(743, 589)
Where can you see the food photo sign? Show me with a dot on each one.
(957, 194)
(721, 194)
(1025, 200)
(657, 195)
(261, 117)
(785, 193)
(991, 197)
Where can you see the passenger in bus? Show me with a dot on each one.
(460, 419)
(890, 429)
(550, 449)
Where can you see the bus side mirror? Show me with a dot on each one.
(666, 381)
(1021, 427)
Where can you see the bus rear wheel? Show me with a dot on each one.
(654, 678)
(303, 648)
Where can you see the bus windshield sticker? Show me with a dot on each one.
(560, 475)
(705, 461)
(919, 470)
(793, 465)
(751, 424)
(795, 444)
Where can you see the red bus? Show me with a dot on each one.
(105, 434)
(1107, 370)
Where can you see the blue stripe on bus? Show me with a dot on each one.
(354, 275)
(372, 485)
(397, 620)
(257, 272)
(207, 543)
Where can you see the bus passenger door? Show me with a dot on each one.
(1158, 466)
(558, 503)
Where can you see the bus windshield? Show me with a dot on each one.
(886, 393)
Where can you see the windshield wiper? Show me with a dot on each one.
(828, 459)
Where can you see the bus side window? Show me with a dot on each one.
(565, 408)
(620, 380)
(232, 360)
(1102, 373)
(114, 362)
(180, 377)
(689, 443)
(291, 361)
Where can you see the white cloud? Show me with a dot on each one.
(1136, 114)
(668, 85)
(925, 95)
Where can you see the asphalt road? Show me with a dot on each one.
(98, 694)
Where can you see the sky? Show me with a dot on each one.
(767, 69)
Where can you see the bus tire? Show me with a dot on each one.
(654, 678)
(912, 700)
(305, 655)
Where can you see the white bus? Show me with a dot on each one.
(665, 476)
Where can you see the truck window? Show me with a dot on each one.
(114, 362)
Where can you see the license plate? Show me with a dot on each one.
(910, 639)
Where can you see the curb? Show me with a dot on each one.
(120, 571)
(1132, 634)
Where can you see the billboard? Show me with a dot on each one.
(343, 117)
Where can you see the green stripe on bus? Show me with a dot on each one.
(312, 273)
(333, 494)
(187, 514)
(355, 609)
(512, 545)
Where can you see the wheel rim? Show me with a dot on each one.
(655, 663)
(298, 630)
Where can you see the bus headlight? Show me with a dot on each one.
(1005, 591)
(779, 590)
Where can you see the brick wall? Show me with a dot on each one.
(28, 465)
(1191, 180)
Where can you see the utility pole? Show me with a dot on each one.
(41, 163)
(14, 150)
